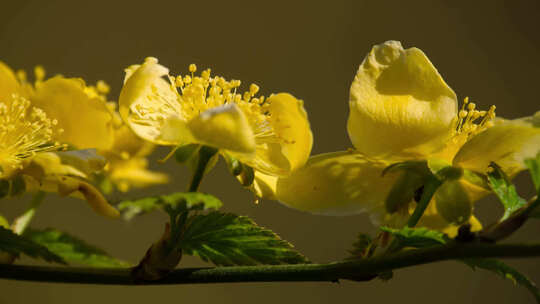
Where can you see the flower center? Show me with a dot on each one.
(24, 131)
(469, 123)
(203, 92)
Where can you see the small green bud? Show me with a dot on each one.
(453, 202)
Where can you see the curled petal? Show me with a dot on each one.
(224, 127)
(85, 121)
(148, 104)
(508, 144)
(290, 125)
(399, 104)
(336, 183)
(264, 185)
(72, 186)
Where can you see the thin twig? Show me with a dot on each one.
(357, 270)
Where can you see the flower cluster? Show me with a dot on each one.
(61, 135)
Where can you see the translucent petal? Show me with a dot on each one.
(507, 144)
(289, 122)
(399, 104)
(148, 104)
(86, 121)
(224, 127)
(336, 183)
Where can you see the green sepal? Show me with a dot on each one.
(247, 177)
(72, 249)
(403, 191)
(234, 165)
(533, 164)
(228, 239)
(186, 152)
(177, 202)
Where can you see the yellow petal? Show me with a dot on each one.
(506, 144)
(224, 127)
(399, 103)
(133, 172)
(8, 83)
(264, 185)
(67, 185)
(148, 104)
(336, 183)
(86, 121)
(289, 122)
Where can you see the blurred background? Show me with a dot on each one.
(487, 50)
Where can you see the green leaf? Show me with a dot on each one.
(504, 271)
(362, 246)
(505, 191)
(229, 239)
(16, 244)
(72, 249)
(417, 237)
(180, 201)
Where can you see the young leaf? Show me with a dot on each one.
(228, 239)
(72, 249)
(15, 244)
(504, 271)
(417, 237)
(505, 191)
(180, 201)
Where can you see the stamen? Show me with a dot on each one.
(467, 117)
(24, 131)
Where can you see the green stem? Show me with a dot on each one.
(429, 190)
(21, 223)
(358, 270)
(205, 155)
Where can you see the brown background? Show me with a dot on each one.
(487, 50)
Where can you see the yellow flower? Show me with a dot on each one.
(29, 134)
(401, 110)
(127, 163)
(271, 135)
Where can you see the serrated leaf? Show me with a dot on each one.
(72, 249)
(417, 237)
(15, 244)
(361, 246)
(180, 201)
(505, 191)
(505, 272)
(228, 239)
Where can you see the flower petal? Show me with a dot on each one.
(290, 124)
(224, 127)
(148, 104)
(86, 121)
(399, 103)
(8, 83)
(336, 183)
(508, 144)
